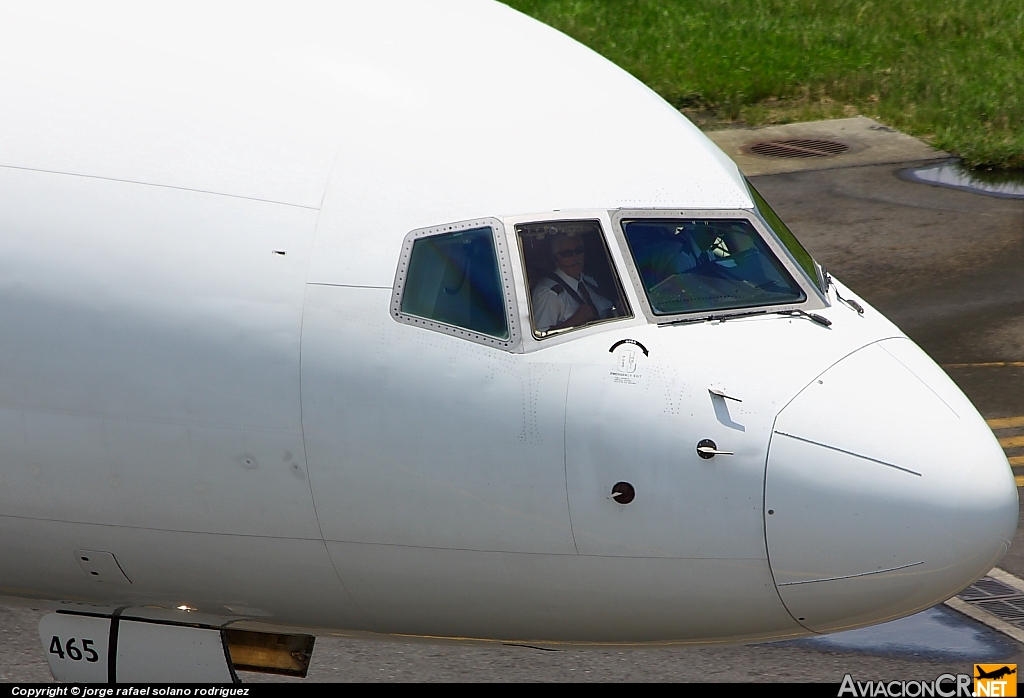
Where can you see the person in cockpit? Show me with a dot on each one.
(661, 251)
(566, 297)
(664, 250)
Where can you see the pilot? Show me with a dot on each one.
(567, 297)
(661, 251)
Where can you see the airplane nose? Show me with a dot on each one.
(885, 491)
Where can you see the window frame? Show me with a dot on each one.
(603, 235)
(508, 284)
(814, 300)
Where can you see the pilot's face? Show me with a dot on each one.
(569, 256)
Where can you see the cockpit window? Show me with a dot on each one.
(698, 265)
(786, 237)
(453, 279)
(571, 276)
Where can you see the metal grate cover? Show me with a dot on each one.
(798, 148)
(1010, 610)
(987, 588)
(1001, 600)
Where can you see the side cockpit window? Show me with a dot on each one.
(455, 279)
(782, 232)
(698, 265)
(571, 278)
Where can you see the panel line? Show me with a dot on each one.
(850, 453)
(852, 576)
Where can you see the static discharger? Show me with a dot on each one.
(268, 653)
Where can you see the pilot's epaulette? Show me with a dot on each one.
(557, 288)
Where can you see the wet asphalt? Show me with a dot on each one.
(945, 265)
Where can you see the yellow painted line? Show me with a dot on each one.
(987, 364)
(1006, 423)
(1020, 480)
(1012, 442)
(1016, 460)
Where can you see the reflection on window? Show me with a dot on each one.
(802, 256)
(696, 265)
(453, 278)
(571, 276)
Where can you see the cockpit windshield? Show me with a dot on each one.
(689, 265)
(572, 278)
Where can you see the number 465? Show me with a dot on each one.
(72, 651)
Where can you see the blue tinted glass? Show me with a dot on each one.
(454, 279)
(695, 265)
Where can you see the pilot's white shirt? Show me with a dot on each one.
(552, 305)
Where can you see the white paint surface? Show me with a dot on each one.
(245, 429)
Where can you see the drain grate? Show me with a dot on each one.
(798, 148)
(988, 588)
(1001, 600)
(1010, 610)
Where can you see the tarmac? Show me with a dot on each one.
(947, 266)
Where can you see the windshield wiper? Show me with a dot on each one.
(814, 317)
(722, 317)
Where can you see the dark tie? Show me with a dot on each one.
(585, 295)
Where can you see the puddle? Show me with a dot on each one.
(938, 633)
(953, 174)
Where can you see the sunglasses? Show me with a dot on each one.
(566, 254)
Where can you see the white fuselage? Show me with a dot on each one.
(200, 373)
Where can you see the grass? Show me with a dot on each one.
(948, 71)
